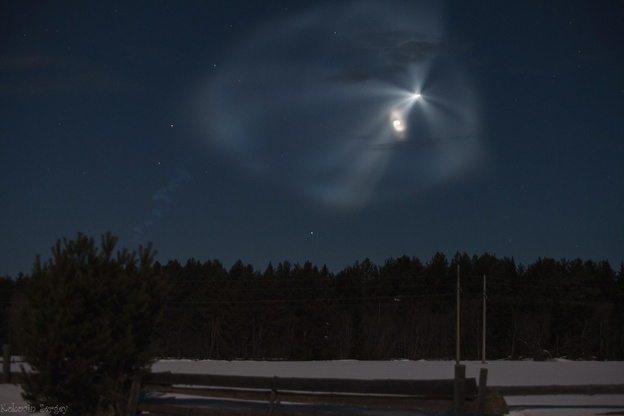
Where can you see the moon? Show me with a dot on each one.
(398, 124)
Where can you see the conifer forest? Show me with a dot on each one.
(402, 309)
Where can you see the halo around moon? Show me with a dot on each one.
(374, 111)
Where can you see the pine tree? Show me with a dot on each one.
(88, 327)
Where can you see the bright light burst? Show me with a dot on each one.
(337, 117)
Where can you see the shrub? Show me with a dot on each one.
(87, 327)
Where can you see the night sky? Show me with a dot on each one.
(322, 131)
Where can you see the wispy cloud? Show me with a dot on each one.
(389, 52)
(163, 199)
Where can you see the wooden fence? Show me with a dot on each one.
(441, 395)
(420, 394)
(314, 392)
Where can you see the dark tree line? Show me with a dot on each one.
(404, 308)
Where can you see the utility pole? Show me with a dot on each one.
(484, 316)
(457, 335)
(459, 386)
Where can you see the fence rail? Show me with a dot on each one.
(386, 393)
(426, 388)
(580, 390)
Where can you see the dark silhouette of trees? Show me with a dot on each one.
(11, 294)
(404, 308)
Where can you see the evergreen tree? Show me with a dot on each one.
(88, 327)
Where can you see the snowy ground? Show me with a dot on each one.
(500, 373)
(11, 402)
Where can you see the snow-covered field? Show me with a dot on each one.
(500, 373)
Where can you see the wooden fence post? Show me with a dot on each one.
(482, 390)
(133, 400)
(459, 393)
(6, 364)
(272, 399)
